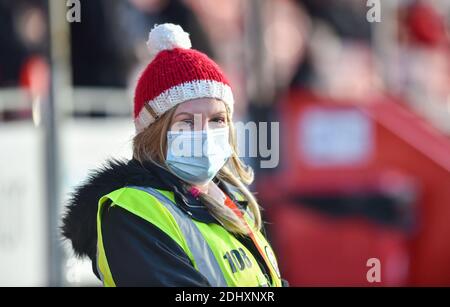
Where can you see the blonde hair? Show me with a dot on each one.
(151, 145)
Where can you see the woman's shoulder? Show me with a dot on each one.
(79, 220)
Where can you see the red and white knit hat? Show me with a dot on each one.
(176, 74)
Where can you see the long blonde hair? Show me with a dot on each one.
(151, 145)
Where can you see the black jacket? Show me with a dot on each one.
(139, 253)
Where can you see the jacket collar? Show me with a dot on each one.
(188, 203)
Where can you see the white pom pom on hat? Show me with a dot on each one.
(167, 37)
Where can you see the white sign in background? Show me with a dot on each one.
(335, 137)
(85, 145)
(22, 210)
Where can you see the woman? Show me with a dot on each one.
(179, 213)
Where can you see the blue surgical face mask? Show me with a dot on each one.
(197, 156)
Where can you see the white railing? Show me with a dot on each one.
(110, 101)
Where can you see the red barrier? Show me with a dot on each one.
(335, 148)
(333, 252)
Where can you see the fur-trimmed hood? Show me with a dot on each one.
(79, 221)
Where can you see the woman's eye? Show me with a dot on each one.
(219, 120)
(188, 122)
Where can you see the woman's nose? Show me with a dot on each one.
(200, 122)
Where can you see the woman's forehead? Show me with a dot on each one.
(202, 105)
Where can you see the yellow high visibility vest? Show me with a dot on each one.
(216, 253)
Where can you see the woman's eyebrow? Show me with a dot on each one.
(219, 113)
(184, 113)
